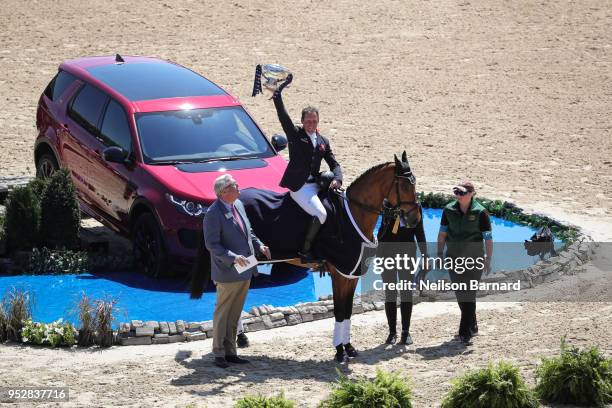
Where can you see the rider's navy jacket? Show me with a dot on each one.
(304, 159)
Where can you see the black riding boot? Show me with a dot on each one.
(340, 353)
(306, 254)
(391, 312)
(406, 309)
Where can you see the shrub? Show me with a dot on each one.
(580, 377)
(86, 322)
(3, 323)
(38, 186)
(385, 390)
(18, 309)
(260, 401)
(70, 335)
(500, 386)
(60, 214)
(22, 219)
(103, 320)
(46, 261)
(33, 332)
(54, 334)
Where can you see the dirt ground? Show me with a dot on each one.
(513, 95)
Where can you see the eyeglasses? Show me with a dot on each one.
(459, 193)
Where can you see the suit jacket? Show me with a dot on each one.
(304, 159)
(224, 239)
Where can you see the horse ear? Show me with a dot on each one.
(404, 157)
(397, 162)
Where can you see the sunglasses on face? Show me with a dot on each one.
(459, 193)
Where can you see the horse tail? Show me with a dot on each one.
(200, 272)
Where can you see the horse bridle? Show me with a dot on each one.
(393, 211)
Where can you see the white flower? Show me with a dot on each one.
(25, 339)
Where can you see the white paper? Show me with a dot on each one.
(251, 262)
(265, 269)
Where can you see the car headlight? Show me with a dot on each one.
(187, 207)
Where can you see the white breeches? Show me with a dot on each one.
(307, 198)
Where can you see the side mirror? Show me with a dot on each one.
(116, 154)
(279, 142)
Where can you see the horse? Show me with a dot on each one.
(388, 188)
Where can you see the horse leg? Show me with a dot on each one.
(344, 290)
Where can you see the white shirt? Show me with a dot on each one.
(313, 139)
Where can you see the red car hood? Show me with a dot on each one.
(199, 186)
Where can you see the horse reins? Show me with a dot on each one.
(390, 211)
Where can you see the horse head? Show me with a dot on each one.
(404, 201)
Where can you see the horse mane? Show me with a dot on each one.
(366, 174)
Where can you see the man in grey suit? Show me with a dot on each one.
(230, 241)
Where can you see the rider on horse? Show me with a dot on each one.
(307, 147)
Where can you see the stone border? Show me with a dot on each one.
(262, 317)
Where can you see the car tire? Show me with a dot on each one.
(46, 165)
(148, 246)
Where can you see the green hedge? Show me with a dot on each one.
(60, 214)
(505, 210)
(22, 219)
(581, 377)
(259, 401)
(47, 262)
(386, 390)
(500, 386)
(44, 261)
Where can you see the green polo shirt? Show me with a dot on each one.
(465, 232)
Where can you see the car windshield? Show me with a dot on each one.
(198, 135)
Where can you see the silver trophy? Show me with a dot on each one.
(274, 76)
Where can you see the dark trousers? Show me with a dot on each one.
(466, 299)
(391, 244)
(395, 276)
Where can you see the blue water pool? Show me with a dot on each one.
(142, 298)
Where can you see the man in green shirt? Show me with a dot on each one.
(464, 226)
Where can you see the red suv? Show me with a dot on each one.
(144, 140)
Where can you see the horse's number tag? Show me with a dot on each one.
(396, 226)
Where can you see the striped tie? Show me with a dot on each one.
(238, 219)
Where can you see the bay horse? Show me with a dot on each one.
(388, 188)
(394, 185)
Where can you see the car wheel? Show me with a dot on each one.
(148, 246)
(46, 165)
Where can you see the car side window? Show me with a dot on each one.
(87, 106)
(59, 84)
(115, 129)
